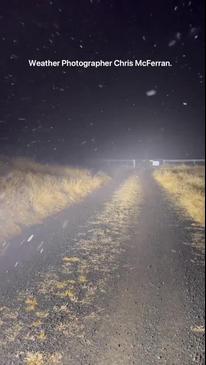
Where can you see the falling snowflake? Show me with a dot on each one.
(151, 92)
(172, 43)
(178, 35)
(13, 57)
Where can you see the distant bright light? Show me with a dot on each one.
(155, 163)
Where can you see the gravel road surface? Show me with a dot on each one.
(117, 279)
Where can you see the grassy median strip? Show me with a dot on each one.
(30, 192)
(186, 184)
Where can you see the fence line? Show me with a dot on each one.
(133, 163)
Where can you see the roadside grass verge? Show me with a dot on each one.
(186, 185)
(30, 192)
(60, 303)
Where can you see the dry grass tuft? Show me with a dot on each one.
(198, 330)
(37, 358)
(187, 187)
(31, 304)
(30, 192)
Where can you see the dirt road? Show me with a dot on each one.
(114, 280)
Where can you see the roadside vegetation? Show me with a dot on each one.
(65, 292)
(186, 184)
(30, 192)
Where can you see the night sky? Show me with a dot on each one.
(67, 114)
